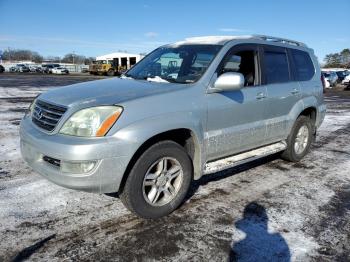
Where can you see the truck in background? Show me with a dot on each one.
(113, 64)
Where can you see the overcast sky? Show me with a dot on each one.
(92, 28)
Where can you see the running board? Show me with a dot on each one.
(232, 161)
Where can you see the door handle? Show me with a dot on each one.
(295, 91)
(260, 95)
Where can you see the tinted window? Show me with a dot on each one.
(304, 67)
(276, 67)
(340, 74)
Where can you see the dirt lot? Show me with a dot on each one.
(268, 210)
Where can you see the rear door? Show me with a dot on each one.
(283, 91)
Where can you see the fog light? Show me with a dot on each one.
(77, 167)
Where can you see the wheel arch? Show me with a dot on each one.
(183, 136)
(310, 112)
(306, 107)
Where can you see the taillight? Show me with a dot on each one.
(323, 83)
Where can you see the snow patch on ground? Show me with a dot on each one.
(269, 202)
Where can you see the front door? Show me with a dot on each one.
(236, 118)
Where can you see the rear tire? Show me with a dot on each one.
(299, 140)
(159, 180)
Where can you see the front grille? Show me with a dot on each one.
(46, 115)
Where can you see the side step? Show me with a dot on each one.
(225, 163)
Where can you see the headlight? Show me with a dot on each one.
(94, 121)
(30, 108)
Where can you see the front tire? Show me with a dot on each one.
(299, 140)
(158, 182)
(110, 72)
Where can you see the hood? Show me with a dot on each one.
(108, 91)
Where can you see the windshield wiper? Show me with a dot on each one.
(126, 76)
(167, 79)
(151, 78)
(157, 79)
(172, 80)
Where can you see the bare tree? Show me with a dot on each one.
(70, 58)
(53, 59)
(21, 54)
(89, 60)
(28, 55)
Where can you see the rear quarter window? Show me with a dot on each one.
(276, 67)
(304, 68)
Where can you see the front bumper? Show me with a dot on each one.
(111, 154)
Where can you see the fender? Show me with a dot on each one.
(139, 132)
(299, 107)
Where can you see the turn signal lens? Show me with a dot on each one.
(108, 123)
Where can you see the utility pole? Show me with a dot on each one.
(9, 51)
(73, 55)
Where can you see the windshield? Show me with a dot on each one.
(181, 64)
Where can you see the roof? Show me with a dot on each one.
(221, 40)
(115, 55)
(213, 40)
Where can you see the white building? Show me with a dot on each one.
(124, 60)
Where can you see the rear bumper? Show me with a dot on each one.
(111, 155)
(321, 113)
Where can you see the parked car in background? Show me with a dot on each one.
(2, 69)
(325, 82)
(346, 80)
(47, 68)
(187, 109)
(35, 69)
(331, 77)
(20, 68)
(59, 71)
(341, 76)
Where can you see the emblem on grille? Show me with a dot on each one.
(38, 113)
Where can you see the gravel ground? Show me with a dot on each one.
(267, 210)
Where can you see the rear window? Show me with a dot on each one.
(304, 68)
(276, 67)
(340, 73)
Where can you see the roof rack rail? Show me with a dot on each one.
(279, 40)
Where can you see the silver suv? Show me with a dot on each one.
(186, 110)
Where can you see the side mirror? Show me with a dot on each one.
(229, 82)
